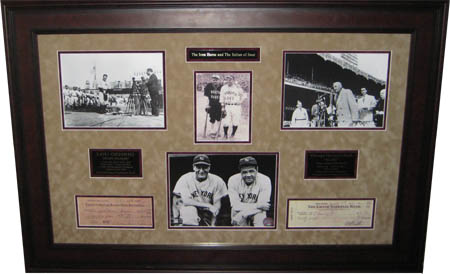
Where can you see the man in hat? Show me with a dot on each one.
(249, 193)
(197, 195)
(214, 108)
(231, 98)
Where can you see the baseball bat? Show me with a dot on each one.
(206, 123)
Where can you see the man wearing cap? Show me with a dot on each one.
(212, 92)
(231, 97)
(249, 193)
(200, 193)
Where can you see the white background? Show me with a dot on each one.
(438, 239)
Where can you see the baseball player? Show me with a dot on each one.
(249, 193)
(214, 108)
(231, 97)
(103, 88)
(197, 194)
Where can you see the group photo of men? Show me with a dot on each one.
(222, 190)
(335, 90)
(223, 106)
(112, 90)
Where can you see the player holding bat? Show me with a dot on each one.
(214, 108)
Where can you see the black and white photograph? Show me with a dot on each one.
(223, 101)
(112, 90)
(335, 90)
(222, 190)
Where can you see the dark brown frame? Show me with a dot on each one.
(424, 20)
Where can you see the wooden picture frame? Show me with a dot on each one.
(25, 21)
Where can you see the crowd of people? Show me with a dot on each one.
(295, 79)
(197, 196)
(343, 110)
(144, 97)
(89, 100)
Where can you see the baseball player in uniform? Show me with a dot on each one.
(197, 195)
(214, 108)
(249, 193)
(103, 88)
(231, 97)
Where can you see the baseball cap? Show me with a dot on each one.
(247, 161)
(216, 76)
(229, 76)
(201, 159)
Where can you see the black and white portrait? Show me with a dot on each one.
(222, 190)
(223, 107)
(112, 90)
(335, 90)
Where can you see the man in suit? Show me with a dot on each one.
(379, 109)
(366, 104)
(153, 88)
(346, 107)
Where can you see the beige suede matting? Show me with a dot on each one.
(379, 158)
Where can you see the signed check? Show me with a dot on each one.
(114, 212)
(331, 213)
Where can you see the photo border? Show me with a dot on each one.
(384, 128)
(237, 228)
(250, 109)
(63, 125)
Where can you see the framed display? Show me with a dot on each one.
(214, 136)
